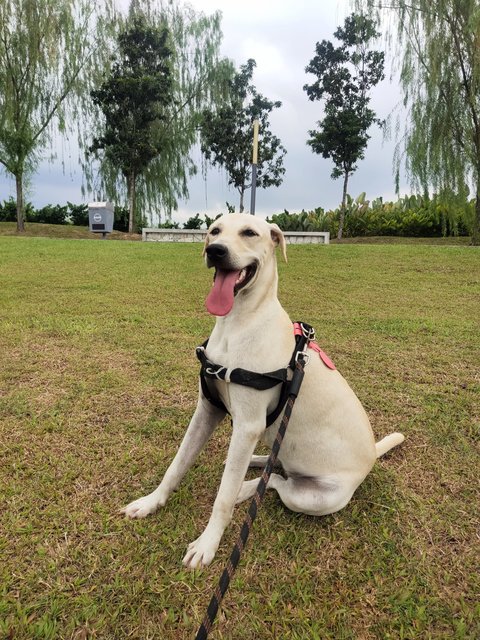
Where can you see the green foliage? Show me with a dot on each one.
(70, 213)
(315, 220)
(8, 210)
(345, 74)
(121, 217)
(227, 135)
(50, 214)
(196, 79)
(209, 221)
(169, 224)
(135, 101)
(436, 44)
(195, 222)
(49, 56)
(410, 216)
(78, 214)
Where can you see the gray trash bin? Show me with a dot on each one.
(100, 217)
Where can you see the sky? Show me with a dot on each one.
(281, 36)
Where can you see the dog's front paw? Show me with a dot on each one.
(201, 552)
(142, 507)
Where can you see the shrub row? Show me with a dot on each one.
(76, 214)
(50, 214)
(413, 216)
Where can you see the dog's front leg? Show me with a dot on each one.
(242, 444)
(202, 425)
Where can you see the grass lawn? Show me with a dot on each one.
(98, 380)
(39, 230)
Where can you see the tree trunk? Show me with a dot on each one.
(476, 218)
(242, 193)
(20, 207)
(342, 208)
(131, 201)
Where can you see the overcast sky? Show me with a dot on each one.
(281, 37)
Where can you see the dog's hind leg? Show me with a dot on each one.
(259, 462)
(202, 425)
(312, 496)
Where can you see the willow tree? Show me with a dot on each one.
(49, 53)
(197, 78)
(438, 44)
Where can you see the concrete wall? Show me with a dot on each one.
(194, 235)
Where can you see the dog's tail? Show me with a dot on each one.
(388, 443)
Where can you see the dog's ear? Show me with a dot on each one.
(279, 239)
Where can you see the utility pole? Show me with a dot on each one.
(254, 167)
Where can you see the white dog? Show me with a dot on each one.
(329, 446)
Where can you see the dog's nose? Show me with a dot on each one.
(217, 251)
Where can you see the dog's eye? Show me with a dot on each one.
(249, 233)
(215, 231)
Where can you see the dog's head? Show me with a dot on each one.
(238, 246)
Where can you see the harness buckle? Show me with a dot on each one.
(309, 333)
(215, 373)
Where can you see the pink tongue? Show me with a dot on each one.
(219, 301)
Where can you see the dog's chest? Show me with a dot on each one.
(259, 351)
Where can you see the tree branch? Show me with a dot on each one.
(404, 5)
(5, 164)
(466, 83)
(415, 43)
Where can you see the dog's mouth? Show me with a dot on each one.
(244, 277)
(226, 284)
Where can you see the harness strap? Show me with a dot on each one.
(304, 338)
(297, 330)
(260, 381)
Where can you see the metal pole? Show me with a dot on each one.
(254, 166)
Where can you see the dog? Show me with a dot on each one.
(329, 447)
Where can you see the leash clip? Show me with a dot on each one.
(305, 357)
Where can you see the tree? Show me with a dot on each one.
(135, 101)
(49, 53)
(345, 75)
(192, 76)
(226, 135)
(438, 47)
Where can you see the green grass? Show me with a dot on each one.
(97, 382)
(39, 230)
(33, 229)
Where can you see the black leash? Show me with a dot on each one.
(294, 388)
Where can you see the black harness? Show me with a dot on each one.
(260, 381)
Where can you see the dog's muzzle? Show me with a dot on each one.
(217, 255)
(228, 279)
